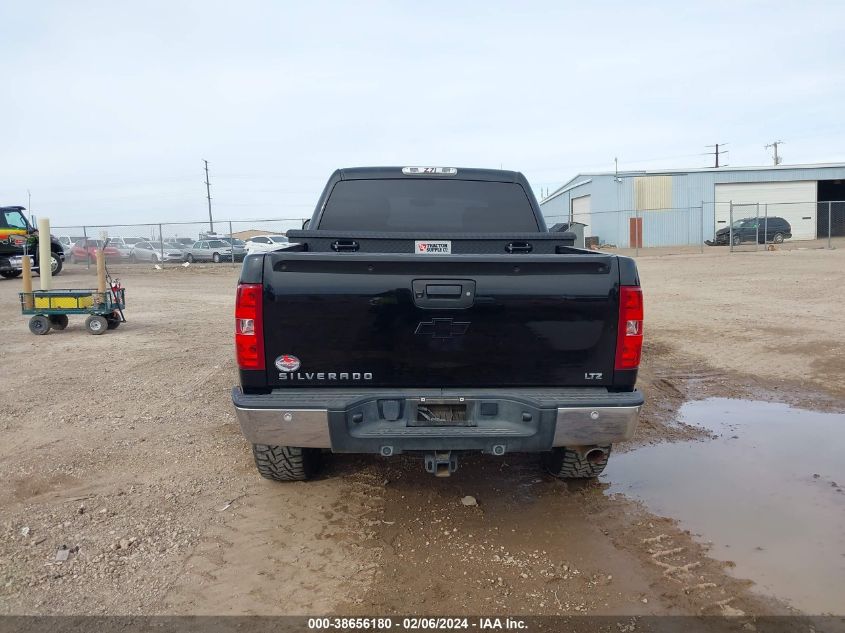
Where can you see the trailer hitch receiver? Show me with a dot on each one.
(441, 463)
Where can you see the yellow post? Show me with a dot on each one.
(26, 267)
(101, 275)
(45, 271)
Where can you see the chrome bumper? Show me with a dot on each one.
(309, 427)
(585, 426)
(16, 261)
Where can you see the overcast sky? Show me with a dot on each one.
(109, 108)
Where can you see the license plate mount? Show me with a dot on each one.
(441, 412)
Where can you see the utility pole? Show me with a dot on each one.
(717, 152)
(208, 195)
(774, 144)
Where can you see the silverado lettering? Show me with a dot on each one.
(310, 375)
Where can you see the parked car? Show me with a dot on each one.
(182, 248)
(417, 328)
(88, 248)
(66, 242)
(214, 251)
(264, 243)
(155, 252)
(761, 230)
(234, 242)
(122, 246)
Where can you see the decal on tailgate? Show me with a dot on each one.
(433, 247)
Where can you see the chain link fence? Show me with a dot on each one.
(730, 225)
(168, 243)
(733, 225)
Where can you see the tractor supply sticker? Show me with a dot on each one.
(424, 247)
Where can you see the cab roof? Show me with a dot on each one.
(463, 173)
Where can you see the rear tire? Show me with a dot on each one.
(58, 321)
(96, 324)
(778, 238)
(286, 463)
(39, 324)
(216, 258)
(10, 274)
(737, 240)
(567, 463)
(189, 258)
(114, 322)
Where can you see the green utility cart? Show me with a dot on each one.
(50, 308)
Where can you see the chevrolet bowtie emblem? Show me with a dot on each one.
(442, 328)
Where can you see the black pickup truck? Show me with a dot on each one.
(428, 310)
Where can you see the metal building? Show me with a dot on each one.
(687, 206)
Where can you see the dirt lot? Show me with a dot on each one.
(124, 449)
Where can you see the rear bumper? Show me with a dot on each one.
(381, 421)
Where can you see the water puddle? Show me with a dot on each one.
(768, 491)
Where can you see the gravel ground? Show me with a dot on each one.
(129, 489)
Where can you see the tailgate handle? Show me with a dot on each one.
(519, 247)
(345, 246)
(441, 290)
(444, 294)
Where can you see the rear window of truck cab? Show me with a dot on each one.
(460, 206)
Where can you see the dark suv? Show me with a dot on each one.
(761, 230)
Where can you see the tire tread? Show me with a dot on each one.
(567, 463)
(285, 463)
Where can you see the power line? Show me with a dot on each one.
(717, 152)
(774, 144)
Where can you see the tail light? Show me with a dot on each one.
(249, 333)
(629, 338)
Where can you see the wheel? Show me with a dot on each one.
(778, 238)
(39, 324)
(55, 264)
(114, 322)
(737, 240)
(189, 258)
(96, 324)
(10, 274)
(286, 463)
(216, 258)
(58, 321)
(567, 463)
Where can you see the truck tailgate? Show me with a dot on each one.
(396, 320)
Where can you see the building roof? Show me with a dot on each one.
(250, 233)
